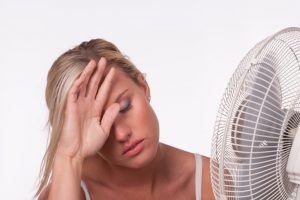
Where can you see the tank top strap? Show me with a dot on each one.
(85, 190)
(198, 176)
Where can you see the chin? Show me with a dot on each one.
(143, 159)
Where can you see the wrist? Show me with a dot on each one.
(67, 154)
(62, 161)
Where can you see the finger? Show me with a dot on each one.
(103, 91)
(93, 85)
(74, 90)
(87, 73)
(109, 117)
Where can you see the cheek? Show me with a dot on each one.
(145, 119)
(108, 146)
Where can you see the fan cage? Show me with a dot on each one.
(256, 122)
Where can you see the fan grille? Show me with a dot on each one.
(257, 120)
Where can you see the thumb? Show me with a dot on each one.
(109, 117)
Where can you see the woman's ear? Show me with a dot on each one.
(144, 85)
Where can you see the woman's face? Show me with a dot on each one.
(134, 136)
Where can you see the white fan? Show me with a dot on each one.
(256, 141)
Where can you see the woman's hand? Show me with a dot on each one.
(84, 132)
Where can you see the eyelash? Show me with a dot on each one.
(128, 106)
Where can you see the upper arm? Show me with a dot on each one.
(207, 191)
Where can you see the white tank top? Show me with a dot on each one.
(198, 179)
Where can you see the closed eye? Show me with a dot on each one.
(125, 105)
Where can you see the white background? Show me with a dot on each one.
(189, 49)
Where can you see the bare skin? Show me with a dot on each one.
(173, 177)
(96, 131)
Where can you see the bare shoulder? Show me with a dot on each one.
(45, 193)
(173, 151)
(187, 165)
(182, 160)
(207, 192)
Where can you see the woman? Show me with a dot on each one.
(105, 135)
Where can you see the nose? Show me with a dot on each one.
(122, 132)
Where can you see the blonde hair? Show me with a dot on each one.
(60, 77)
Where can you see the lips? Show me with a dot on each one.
(131, 146)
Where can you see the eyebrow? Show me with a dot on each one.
(120, 95)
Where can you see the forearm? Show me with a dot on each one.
(66, 178)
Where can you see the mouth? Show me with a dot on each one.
(133, 148)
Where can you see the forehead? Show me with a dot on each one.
(120, 82)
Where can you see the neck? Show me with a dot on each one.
(146, 177)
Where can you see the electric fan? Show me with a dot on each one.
(256, 142)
